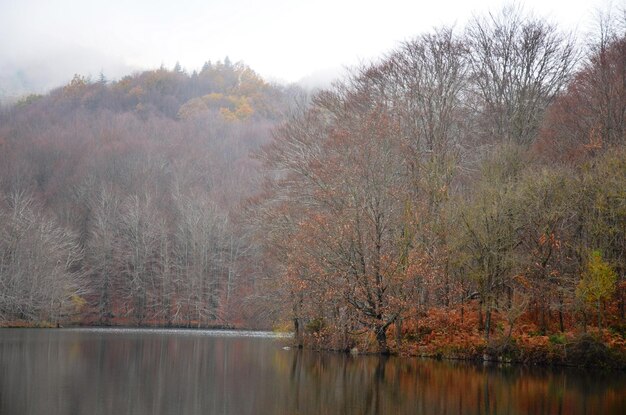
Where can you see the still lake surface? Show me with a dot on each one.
(126, 371)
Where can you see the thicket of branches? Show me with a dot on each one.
(469, 170)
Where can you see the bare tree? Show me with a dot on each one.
(138, 248)
(198, 240)
(518, 64)
(429, 78)
(101, 251)
(38, 263)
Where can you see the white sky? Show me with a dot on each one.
(280, 39)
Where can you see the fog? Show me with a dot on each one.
(455, 194)
(45, 43)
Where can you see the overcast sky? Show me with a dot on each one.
(44, 42)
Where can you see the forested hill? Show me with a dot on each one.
(115, 196)
(465, 195)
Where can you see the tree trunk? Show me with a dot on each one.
(542, 321)
(487, 323)
(398, 332)
(621, 301)
(481, 323)
(381, 339)
(561, 323)
(599, 315)
(297, 332)
(462, 311)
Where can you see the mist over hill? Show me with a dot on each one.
(463, 195)
(131, 185)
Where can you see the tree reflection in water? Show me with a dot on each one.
(343, 384)
(190, 372)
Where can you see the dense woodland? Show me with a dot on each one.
(116, 196)
(465, 194)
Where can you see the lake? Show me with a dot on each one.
(127, 371)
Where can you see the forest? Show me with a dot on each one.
(462, 196)
(117, 197)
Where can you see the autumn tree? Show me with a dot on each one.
(488, 232)
(603, 214)
(589, 116)
(352, 231)
(597, 282)
(546, 202)
(428, 81)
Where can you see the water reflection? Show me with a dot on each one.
(135, 372)
(372, 385)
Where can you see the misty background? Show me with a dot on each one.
(45, 43)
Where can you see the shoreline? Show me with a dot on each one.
(583, 351)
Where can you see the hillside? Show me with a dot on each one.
(116, 197)
(463, 196)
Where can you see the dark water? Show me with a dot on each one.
(202, 372)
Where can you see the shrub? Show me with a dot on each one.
(316, 325)
(503, 349)
(557, 338)
(587, 350)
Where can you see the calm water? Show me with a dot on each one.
(86, 371)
